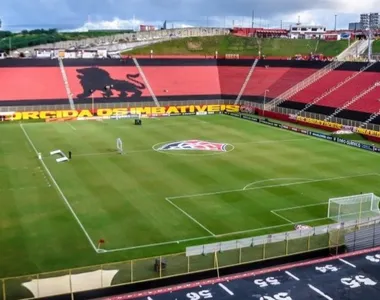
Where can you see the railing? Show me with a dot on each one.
(340, 84)
(353, 100)
(371, 118)
(288, 111)
(127, 272)
(66, 82)
(249, 75)
(304, 84)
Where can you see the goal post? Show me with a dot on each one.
(353, 207)
(119, 145)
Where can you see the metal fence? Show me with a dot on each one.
(288, 111)
(127, 272)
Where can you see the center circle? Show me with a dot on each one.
(193, 147)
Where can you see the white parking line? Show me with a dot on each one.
(291, 275)
(226, 289)
(320, 292)
(347, 263)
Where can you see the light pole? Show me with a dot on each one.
(335, 22)
(265, 98)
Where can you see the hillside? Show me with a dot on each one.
(243, 46)
(40, 36)
(376, 47)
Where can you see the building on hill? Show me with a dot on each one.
(259, 32)
(300, 31)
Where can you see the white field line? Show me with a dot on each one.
(190, 217)
(271, 186)
(158, 244)
(228, 291)
(347, 263)
(320, 292)
(292, 275)
(70, 125)
(300, 206)
(273, 179)
(281, 217)
(311, 137)
(59, 190)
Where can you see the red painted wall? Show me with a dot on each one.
(31, 83)
(183, 80)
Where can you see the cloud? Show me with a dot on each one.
(119, 24)
(115, 14)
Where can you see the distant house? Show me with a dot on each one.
(300, 31)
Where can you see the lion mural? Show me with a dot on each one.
(96, 79)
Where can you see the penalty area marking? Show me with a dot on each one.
(281, 217)
(275, 211)
(274, 179)
(190, 217)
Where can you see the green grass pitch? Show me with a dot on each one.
(148, 202)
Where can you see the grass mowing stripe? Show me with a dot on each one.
(158, 244)
(120, 198)
(59, 190)
(310, 137)
(270, 186)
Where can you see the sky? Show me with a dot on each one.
(129, 14)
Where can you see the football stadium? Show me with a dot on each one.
(192, 176)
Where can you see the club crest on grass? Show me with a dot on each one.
(194, 145)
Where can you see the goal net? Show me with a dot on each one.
(353, 207)
(119, 145)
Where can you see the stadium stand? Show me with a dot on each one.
(349, 91)
(36, 82)
(368, 103)
(276, 80)
(35, 85)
